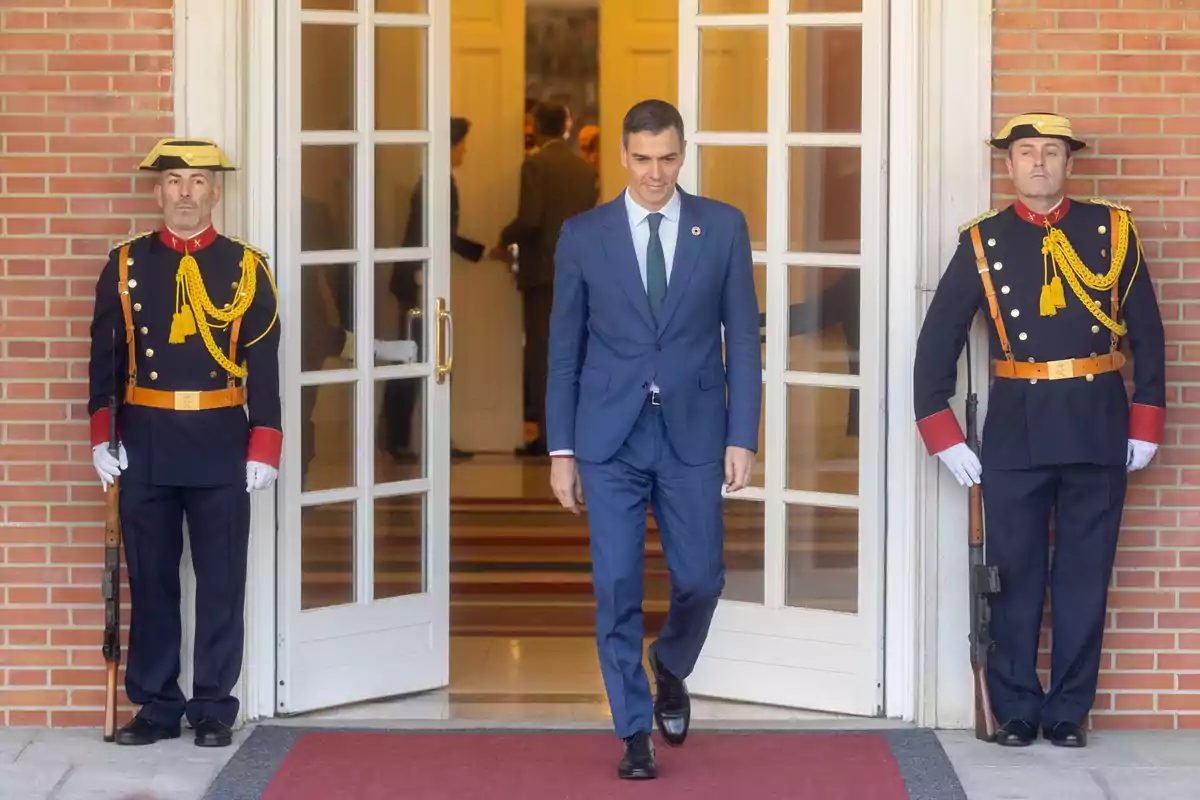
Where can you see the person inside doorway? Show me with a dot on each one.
(400, 396)
(556, 184)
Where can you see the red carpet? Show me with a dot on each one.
(582, 766)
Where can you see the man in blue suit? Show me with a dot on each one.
(641, 410)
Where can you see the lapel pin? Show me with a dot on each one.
(696, 231)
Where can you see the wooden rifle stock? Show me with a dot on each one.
(110, 585)
(984, 582)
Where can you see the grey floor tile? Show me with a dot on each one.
(1151, 783)
(1028, 783)
(178, 782)
(30, 781)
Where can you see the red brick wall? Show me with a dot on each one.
(85, 91)
(1127, 72)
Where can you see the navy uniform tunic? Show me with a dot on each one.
(1049, 447)
(183, 462)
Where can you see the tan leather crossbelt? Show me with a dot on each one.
(1058, 370)
(1009, 367)
(231, 396)
(185, 401)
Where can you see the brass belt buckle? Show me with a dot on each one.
(1061, 369)
(187, 401)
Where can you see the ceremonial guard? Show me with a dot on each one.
(186, 336)
(1068, 292)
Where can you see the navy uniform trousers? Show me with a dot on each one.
(1086, 502)
(218, 520)
(688, 507)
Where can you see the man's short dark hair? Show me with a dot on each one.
(550, 120)
(651, 116)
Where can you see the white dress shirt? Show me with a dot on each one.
(639, 228)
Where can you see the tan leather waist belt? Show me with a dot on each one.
(186, 401)
(1058, 370)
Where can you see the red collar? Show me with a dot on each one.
(1029, 215)
(198, 242)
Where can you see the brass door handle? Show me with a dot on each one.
(410, 318)
(445, 341)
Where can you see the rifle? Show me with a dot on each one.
(110, 585)
(985, 581)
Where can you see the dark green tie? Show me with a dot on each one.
(656, 266)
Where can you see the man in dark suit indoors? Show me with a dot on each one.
(400, 397)
(556, 184)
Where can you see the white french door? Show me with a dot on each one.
(364, 205)
(784, 102)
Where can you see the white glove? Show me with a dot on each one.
(107, 467)
(402, 351)
(963, 463)
(259, 475)
(1140, 454)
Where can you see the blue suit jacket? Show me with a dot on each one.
(606, 347)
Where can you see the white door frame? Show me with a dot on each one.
(941, 108)
(939, 172)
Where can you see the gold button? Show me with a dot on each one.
(129, 262)
(1095, 329)
(991, 242)
(1090, 378)
(1004, 290)
(1103, 229)
(212, 374)
(153, 376)
(233, 285)
(133, 283)
(137, 306)
(145, 330)
(150, 352)
(1023, 337)
(1016, 312)
(1093, 355)
(997, 266)
(1104, 252)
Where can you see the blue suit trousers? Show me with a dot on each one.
(688, 506)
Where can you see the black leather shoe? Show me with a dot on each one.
(637, 762)
(210, 733)
(1065, 734)
(140, 731)
(672, 704)
(1016, 733)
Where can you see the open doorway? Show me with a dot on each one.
(522, 613)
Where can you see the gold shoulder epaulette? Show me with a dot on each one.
(262, 256)
(985, 215)
(1101, 201)
(131, 239)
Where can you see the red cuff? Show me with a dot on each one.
(1147, 423)
(99, 422)
(940, 430)
(265, 446)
